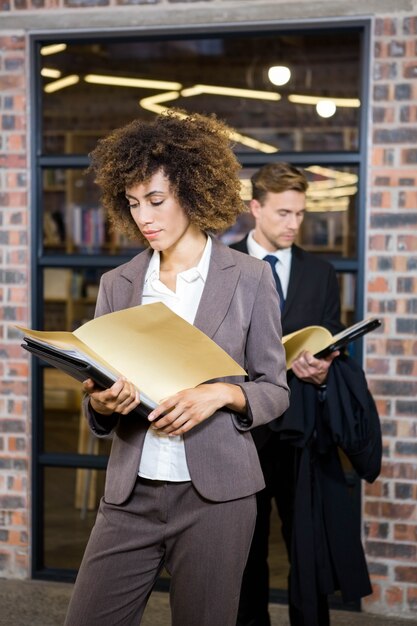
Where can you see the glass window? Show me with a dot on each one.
(73, 219)
(288, 95)
(330, 223)
(70, 508)
(281, 92)
(69, 296)
(65, 427)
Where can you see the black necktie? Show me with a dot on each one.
(272, 260)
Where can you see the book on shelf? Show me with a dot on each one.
(155, 349)
(320, 341)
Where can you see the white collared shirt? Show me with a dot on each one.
(284, 256)
(163, 457)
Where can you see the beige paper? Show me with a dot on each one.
(158, 351)
(310, 338)
(319, 341)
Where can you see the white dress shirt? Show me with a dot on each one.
(284, 257)
(163, 457)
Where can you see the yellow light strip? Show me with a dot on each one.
(197, 90)
(253, 143)
(53, 48)
(121, 81)
(67, 81)
(48, 72)
(152, 103)
(332, 192)
(344, 177)
(327, 206)
(340, 102)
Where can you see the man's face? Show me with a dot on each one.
(278, 219)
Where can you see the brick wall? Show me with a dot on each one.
(14, 269)
(389, 506)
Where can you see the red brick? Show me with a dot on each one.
(405, 532)
(374, 489)
(412, 598)
(405, 574)
(397, 511)
(375, 596)
(379, 284)
(394, 596)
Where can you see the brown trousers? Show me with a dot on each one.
(203, 545)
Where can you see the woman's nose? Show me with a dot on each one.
(143, 215)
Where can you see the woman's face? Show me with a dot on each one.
(157, 212)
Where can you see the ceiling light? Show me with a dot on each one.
(279, 74)
(326, 108)
(253, 143)
(67, 81)
(325, 205)
(343, 178)
(332, 192)
(121, 81)
(48, 72)
(153, 103)
(196, 90)
(53, 48)
(340, 102)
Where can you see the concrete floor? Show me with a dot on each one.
(38, 603)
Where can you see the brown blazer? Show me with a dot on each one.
(239, 311)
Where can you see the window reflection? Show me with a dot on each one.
(70, 508)
(91, 88)
(73, 219)
(329, 225)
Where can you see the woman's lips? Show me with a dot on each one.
(150, 234)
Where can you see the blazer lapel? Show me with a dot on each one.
(216, 297)
(134, 273)
(222, 278)
(295, 278)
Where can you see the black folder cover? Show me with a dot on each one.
(77, 368)
(351, 334)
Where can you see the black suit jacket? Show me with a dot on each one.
(313, 292)
(313, 299)
(325, 539)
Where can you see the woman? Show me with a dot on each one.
(180, 487)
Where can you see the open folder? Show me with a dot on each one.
(320, 342)
(157, 350)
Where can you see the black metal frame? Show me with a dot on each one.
(41, 460)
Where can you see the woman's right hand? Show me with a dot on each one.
(122, 397)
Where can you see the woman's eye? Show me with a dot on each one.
(156, 202)
(134, 206)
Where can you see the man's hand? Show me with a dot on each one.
(311, 370)
(179, 413)
(122, 397)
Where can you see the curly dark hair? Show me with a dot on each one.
(194, 152)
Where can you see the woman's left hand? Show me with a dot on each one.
(179, 413)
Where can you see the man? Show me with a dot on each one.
(309, 295)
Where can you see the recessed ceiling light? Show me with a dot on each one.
(124, 81)
(279, 74)
(326, 108)
(61, 83)
(53, 48)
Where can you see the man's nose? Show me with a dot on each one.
(293, 221)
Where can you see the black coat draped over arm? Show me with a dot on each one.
(326, 548)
